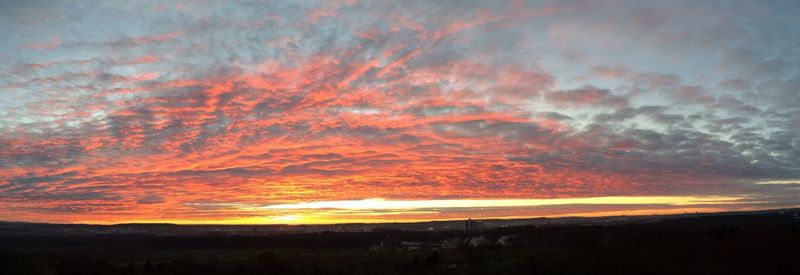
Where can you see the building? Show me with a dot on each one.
(470, 225)
(451, 243)
(416, 246)
(378, 246)
(513, 240)
(478, 241)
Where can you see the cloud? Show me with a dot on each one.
(51, 44)
(586, 96)
(229, 108)
(150, 199)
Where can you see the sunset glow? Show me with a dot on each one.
(377, 204)
(298, 112)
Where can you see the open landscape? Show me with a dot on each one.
(722, 243)
(496, 137)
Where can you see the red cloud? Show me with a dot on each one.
(51, 44)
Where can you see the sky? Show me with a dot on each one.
(197, 111)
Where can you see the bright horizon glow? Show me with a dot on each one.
(382, 204)
(325, 219)
(379, 210)
(792, 181)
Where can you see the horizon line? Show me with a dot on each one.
(566, 216)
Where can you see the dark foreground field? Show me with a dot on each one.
(746, 243)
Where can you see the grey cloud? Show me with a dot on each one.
(150, 199)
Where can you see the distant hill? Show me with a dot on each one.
(168, 229)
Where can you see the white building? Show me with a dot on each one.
(451, 243)
(512, 240)
(478, 241)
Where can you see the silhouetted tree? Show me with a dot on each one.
(148, 267)
(432, 259)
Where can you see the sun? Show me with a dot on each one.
(286, 218)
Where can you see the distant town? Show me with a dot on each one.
(469, 225)
(705, 243)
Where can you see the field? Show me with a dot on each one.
(729, 244)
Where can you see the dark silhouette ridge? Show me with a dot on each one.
(763, 242)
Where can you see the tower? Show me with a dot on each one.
(469, 225)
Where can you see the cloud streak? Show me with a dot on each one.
(208, 112)
(382, 204)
